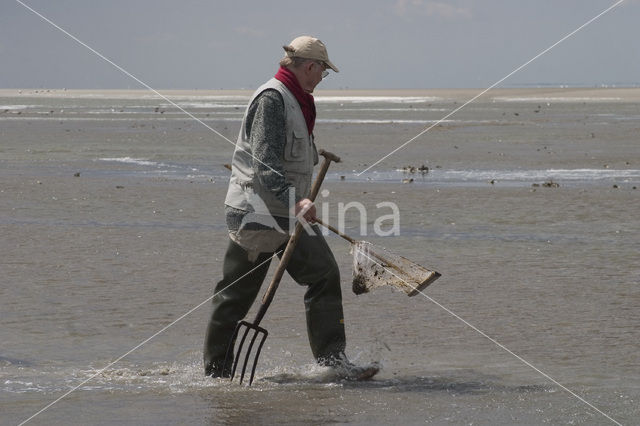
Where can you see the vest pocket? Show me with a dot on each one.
(296, 148)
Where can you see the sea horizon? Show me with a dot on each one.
(521, 94)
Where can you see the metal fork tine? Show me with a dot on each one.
(255, 361)
(235, 363)
(238, 353)
(246, 358)
(229, 356)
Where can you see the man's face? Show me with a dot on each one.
(315, 72)
(320, 72)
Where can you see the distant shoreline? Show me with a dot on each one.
(612, 94)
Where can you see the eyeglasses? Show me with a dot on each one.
(325, 73)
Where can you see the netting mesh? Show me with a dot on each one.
(374, 266)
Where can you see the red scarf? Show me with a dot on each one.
(305, 100)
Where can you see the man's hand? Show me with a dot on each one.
(306, 209)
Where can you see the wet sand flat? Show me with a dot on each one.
(112, 227)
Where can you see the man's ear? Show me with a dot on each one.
(307, 66)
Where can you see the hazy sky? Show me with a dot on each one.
(190, 44)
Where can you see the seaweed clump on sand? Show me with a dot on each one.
(359, 284)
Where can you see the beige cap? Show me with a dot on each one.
(309, 48)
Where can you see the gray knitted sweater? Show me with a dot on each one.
(265, 125)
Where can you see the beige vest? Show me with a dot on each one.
(300, 155)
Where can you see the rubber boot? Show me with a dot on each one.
(314, 265)
(234, 295)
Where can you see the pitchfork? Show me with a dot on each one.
(271, 291)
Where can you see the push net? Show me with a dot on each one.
(374, 266)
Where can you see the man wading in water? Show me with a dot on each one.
(271, 175)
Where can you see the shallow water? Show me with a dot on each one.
(94, 265)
